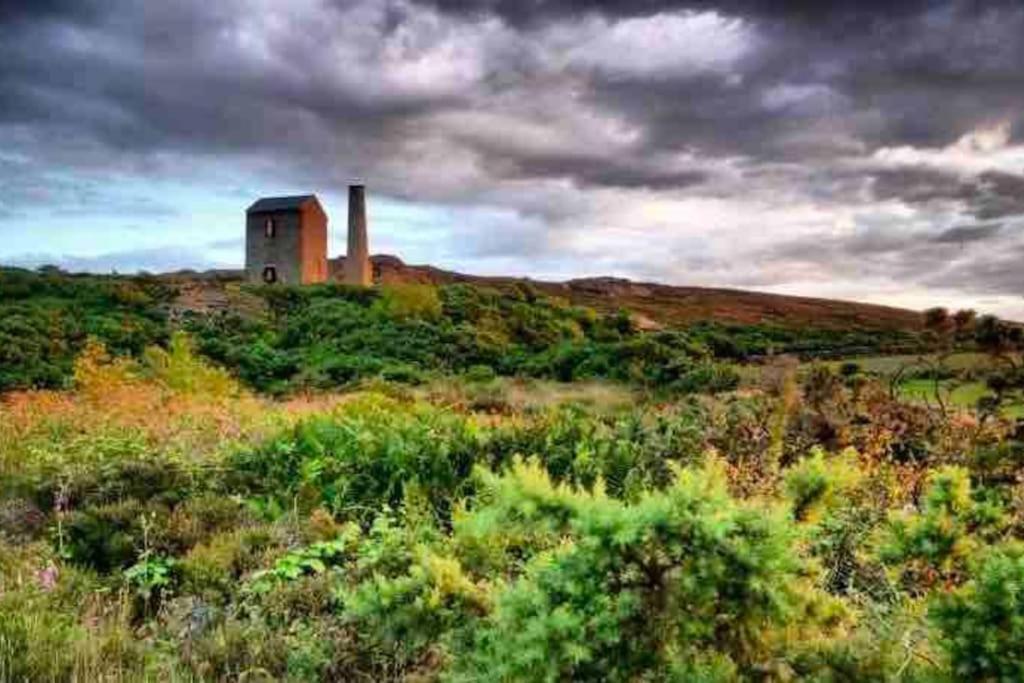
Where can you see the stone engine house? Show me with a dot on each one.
(286, 241)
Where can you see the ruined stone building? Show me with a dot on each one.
(286, 241)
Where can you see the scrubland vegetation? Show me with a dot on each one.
(202, 501)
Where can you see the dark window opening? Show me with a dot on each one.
(270, 228)
(270, 275)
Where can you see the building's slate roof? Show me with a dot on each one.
(293, 203)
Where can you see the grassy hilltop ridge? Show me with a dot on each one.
(326, 335)
(671, 305)
(662, 304)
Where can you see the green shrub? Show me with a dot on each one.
(324, 337)
(235, 648)
(47, 316)
(937, 543)
(34, 640)
(213, 568)
(309, 560)
(109, 537)
(409, 301)
(50, 629)
(706, 377)
(363, 459)
(401, 616)
(817, 484)
(402, 373)
(982, 623)
(480, 374)
(642, 590)
(151, 578)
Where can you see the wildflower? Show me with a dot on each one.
(47, 577)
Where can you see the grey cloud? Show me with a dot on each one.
(988, 195)
(31, 187)
(172, 78)
(22, 11)
(588, 170)
(978, 259)
(968, 233)
(997, 194)
(998, 272)
(849, 13)
(917, 185)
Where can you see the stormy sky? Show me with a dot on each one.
(856, 149)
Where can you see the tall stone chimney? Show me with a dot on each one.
(357, 260)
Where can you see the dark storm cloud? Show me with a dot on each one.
(917, 184)
(998, 273)
(919, 77)
(12, 11)
(532, 12)
(590, 170)
(988, 195)
(996, 195)
(165, 77)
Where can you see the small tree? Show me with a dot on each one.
(1003, 342)
(964, 322)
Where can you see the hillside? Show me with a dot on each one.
(285, 339)
(671, 305)
(652, 303)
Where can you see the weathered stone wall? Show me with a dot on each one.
(283, 251)
(314, 244)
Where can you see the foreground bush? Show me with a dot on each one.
(684, 580)
(983, 623)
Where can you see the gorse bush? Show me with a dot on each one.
(403, 301)
(982, 623)
(741, 342)
(937, 543)
(817, 483)
(180, 370)
(642, 589)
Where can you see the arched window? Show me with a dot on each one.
(270, 275)
(270, 228)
